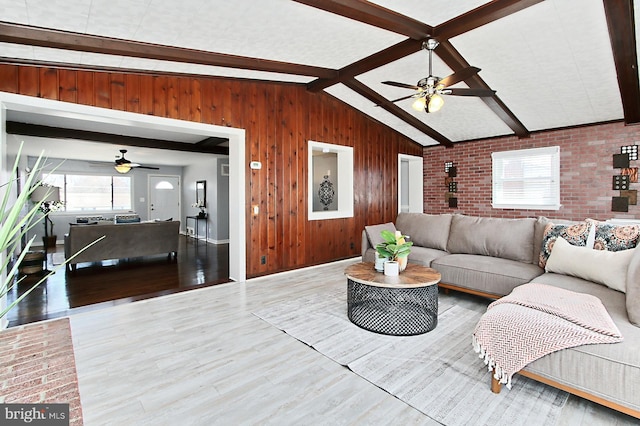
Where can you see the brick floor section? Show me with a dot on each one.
(37, 365)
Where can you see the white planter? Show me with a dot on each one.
(380, 261)
(391, 268)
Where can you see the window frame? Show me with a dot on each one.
(63, 192)
(553, 179)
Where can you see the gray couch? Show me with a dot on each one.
(491, 256)
(121, 241)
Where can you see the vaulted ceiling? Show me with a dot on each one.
(553, 63)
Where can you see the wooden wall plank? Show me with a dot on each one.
(102, 84)
(27, 80)
(172, 97)
(86, 89)
(9, 78)
(132, 92)
(68, 86)
(160, 96)
(118, 92)
(279, 120)
(48, 83)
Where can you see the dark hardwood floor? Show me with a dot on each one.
(113, 282)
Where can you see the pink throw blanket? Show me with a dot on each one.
(536, 320)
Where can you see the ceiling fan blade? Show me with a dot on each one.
(403, 98)
(459, 76)
(483, 93)
(403, 85)
(147, 167)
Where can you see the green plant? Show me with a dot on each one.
(395, 246)
(14, 225)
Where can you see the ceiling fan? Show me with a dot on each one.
(124, 166)
(429, 90)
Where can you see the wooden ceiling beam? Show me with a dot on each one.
(374, 15)
(17, 128)
(620, 21)
(376, 60)
(480, 16)
(44, 37)
(389, 106)
(456, 62)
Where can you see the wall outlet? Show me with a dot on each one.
(263, 260)
(190, 230)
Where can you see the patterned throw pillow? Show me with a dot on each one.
(616, 238)
(576, 235)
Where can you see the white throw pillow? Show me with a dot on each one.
(603, 267)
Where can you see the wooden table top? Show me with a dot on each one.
(413, 276)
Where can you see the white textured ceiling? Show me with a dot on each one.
(551, 64)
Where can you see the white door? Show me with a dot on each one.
(164, 197)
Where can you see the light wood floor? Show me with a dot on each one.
(201, 358)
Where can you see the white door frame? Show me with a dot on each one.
(89, 114)
(416, 183)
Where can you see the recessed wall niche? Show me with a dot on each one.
(330, 189)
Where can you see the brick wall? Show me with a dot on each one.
(586, 172)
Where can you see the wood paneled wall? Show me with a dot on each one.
(279, 119)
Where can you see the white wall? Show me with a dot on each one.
(217, 198)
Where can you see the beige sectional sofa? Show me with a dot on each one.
(491, 256)
(122, 241)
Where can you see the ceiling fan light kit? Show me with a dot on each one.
(429, 90)
(122, 168)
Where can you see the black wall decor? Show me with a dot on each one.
(450, 197)
(631, 150)
(620, 204)
(622, 182)
(620, 161)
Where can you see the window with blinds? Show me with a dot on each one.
(527, 179)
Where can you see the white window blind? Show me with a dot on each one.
(527, 179)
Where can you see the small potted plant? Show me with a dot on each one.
(396, 248)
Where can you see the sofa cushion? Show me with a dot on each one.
(576, 366)
(614, 237)
(491, 275)
(633, 288)
(538, 235)
(373, 232)
(425, 230)
(575, 234)
(603, 267)
(424, 255)
(504, 238)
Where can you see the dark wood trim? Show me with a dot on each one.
(376, 60)
(118, 70)
(17, 128)
(374, 15)
(43, 37)
(383, 102)
(455, 61)
(480, 16)
(622, 34)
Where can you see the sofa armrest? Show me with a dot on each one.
(365, 243)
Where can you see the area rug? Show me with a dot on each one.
(438, 373)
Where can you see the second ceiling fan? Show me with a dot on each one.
(124, 166)
(429, 90)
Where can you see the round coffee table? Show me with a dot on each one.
(402, 305)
